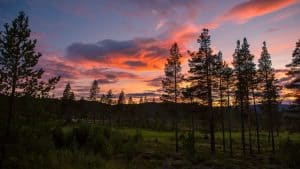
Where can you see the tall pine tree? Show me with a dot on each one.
(18, 73)
(171, 81)
(294, 72)
(109, 97)
(94, 91)
(221, 77)
(203, 72)
(269, 91)
(68, 94)
(121, 99)
(243, 71)
(228, 79)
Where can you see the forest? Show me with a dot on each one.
(219, 115)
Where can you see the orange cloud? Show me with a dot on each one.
(253, 8)
(245, 11)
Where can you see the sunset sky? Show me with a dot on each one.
(124, 43)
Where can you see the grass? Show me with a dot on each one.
(159, 150)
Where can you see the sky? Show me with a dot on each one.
(124, 43)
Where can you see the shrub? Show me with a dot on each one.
(58, 137)
(289, 153)
(81, 134)
(117, 140)
(101, 145)
(189, 146)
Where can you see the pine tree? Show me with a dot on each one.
(294, 72)
(228, 79)
(18, 73)
(254, 91)
(94, 91)
(202, 69)
(269, 90)
(220, 69)
(130, 100)
(243, 71)
(68, 94)
(109, 97)
(121, 99)
(103, 98)
(173, 78)
(141, 100)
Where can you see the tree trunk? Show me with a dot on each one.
(193, 131)
(209, 97)
(256, 122)
(222, 116)
(229, 114)
(250, 133)
(242, 126)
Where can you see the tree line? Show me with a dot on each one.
(215, 84)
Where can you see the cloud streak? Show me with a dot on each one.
(248, 10)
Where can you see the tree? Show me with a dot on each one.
(19, 75)
(171, 81)
(254, 91)
(173, 76)
(270, 94)
(243, 71)
(202, 69)
(109, 97)
(103, 98)
(227, 75)
(294, 72)
(68, 94)
(141, 100)
(94, 91)
(121, 99)
(220, 65)
(130, 100)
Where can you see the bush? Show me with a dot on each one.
(117, 140)
(289, 153)
(100, 144)
(189, 146)
(81, 134)
(58, 137)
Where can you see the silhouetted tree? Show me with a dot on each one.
(121, 99)
(254, 91)
(220, 65)
(145, 99)
(19, 74)
(269, 90)
(109, 96)
(68, 94)
(228, 78)
(94, 91)
(294, 72)
(243, 70)
(103, 98)
(202, 69)
(141, 100)
(171, 81)
(173, 76)
(130, 100)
